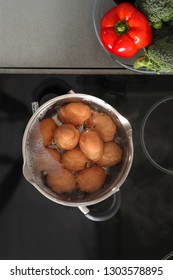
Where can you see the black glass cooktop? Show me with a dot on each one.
(33, 227)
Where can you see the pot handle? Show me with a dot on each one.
(106, 214)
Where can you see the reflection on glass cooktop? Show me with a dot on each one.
(33, 227)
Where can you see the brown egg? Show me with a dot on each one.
(64, 181)
(47, 128)
(91, 179)
(54, 153)
(66, 136)
(112, 154)
(74, 159)
(75, 113)
(91, 144)
(103, 124)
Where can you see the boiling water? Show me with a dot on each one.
(40, 161)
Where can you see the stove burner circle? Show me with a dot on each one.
(169, 256)
(157, 135)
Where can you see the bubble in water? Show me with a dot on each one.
(38, 156)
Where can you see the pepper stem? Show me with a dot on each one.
(121, 27)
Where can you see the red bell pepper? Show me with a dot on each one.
(124, 30)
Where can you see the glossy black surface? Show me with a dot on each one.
(33, 227)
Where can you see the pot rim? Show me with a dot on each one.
(85, 97)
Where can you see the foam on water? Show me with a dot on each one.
(38, 158)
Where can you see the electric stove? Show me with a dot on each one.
(33, 227)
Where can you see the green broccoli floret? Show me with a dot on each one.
(158, 57)
(157, 11)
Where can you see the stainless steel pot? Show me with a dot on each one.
(117, 174)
